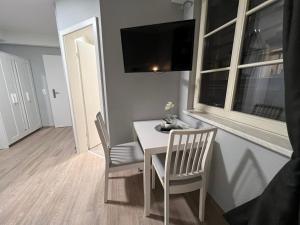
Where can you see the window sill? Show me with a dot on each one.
(276, 143)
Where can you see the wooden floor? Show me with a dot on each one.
(43, 181)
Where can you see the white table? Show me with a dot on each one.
(153, 142)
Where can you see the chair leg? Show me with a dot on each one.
(202, 198)
(105, 185)
(153, 177)
(166, 206)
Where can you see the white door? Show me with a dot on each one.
(28, 93)
(57, 89)
(86, 54)
(80, 64)
(11, 106)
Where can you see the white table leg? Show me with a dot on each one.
(147, 183)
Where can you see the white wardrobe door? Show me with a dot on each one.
(11, 102)
(28, 93)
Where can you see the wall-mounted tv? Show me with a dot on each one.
(159, 48)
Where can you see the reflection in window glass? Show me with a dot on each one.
(218, 48)
(213, 88)
(263, 35)
(260, 92)
(220, 12)
(254, 3)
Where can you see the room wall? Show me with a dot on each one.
(240, 169)
(136, 96)
(129, 96)
(186, 94)
(70, 12)
(34, 54)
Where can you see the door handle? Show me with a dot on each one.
(55, 93)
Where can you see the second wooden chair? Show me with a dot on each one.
(186, 165)
(120, 157)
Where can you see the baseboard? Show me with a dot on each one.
(216, 208)
(215, 204)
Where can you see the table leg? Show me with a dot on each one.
(147, 183)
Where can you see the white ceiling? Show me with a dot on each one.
(30, 19)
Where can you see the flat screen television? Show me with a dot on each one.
(159, 47)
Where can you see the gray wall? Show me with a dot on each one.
(70, 12)
(34, 54)
(186, 94)
(240, 169)
(138, 96)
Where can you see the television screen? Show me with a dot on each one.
(159, 48)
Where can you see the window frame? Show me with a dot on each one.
(273, 126)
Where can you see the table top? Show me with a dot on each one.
(149, 137)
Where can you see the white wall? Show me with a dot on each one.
(34, 54)
(28, 38)
(240, 169)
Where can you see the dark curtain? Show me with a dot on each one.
(279, 204)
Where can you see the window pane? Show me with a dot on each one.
(220, 12)
(254, 3)
(218, 48)
(213, 88)
(263, 35)
(260, 91)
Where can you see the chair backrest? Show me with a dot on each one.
(189, 153)
(103, 134)
(103, 127)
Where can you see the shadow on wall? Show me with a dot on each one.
(235, 184)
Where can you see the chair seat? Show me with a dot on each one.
(159, 164)
(125, 154)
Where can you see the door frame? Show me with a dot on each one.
(97, 33)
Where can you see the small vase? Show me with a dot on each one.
(170, 119)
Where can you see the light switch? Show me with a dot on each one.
(13, 99)
(27, 96)
(44, 91)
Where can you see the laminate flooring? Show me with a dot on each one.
(43, 181)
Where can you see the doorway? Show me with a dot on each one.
(82, 65)
(57, 89)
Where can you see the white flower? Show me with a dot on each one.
(169, 106)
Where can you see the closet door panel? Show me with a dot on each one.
(28, 93)
(11, 101)
(32, 99)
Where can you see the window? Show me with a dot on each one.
(213, 89)
(218, 48)
(240, 62)
(260, 92)
(225, 13)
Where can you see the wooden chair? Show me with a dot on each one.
(120, 157)
(186, 165)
